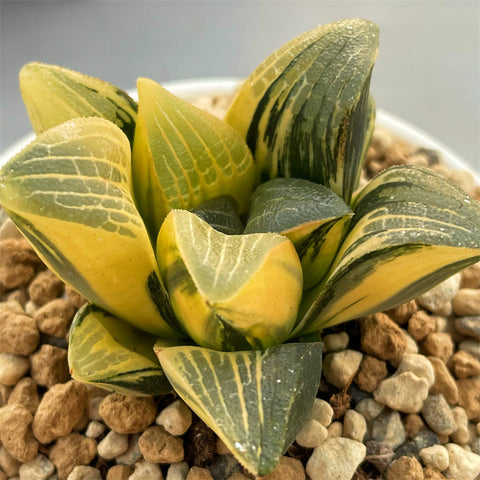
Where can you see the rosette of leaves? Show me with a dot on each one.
(209, 249)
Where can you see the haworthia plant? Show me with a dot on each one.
(195, 250)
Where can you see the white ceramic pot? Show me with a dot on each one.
(189, 89)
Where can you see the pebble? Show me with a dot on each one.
(339, 367)
(40, 468)
(146, 471)
(466, 302)
(312, 434)
(176, 419)
(177, 471)
(198, 473)
(25, 393)
(370, 373)
(224, 466)
(335, 429)
(126, 413)
(468, 326)
(435, 456)
(413, 424)
(335, 342)
(387, 428)
(17, 263)
(119, 472)
(382, 338)
(421, 324)
(469, 397)
(8, 464)
(112, 445)
(54, 317)
(476, 446)
(405, 468)
(83, 472)
(435, 298)
(404, 392)
(439, 344)
(444, 382)
(12, 368)
(158, 446)
(403, 312)
(94, 429)
(322, 411)
(472, 347)
(18, 334)
(412, 448)
(463, 365)
(432, 474)
(463, 465)
(369, 408)
(132, 454)
(461, 435)
(417, 364)
(471, 276)
(50, 365)
(335, 459)
(438, 415)
(354, 425)
(59, 411)
(45, 287)
(289, 468)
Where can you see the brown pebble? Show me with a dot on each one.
(18, 263)
(50, 365)
(18, 334)
(126, 413)
(432, 474)
(420, 325)
(158, 446)
(469, 397)
(444, 381)
(72, 450)
(4, 394)
(463, 365)
(19, 295)
(238, 476)
(119, 472)
(466, 302)
(403, 312)
(16, 433)
(25, 393)
(288, 469)
(370, 373)
(471, 276)
(382, 338)
(198, 473)
(59, 411)
(55, 317)
(413, 425)
(439, 344)
(405, 468)
(76, 299)
(45, 287)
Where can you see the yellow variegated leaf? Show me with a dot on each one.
(412, 229)
(183, 156)
(108, 352)
(229, 291)
(256, 402)
(53, 95)
(69, 193)
(305, 112)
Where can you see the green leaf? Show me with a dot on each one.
(69, 193)
(412, 229)
(305, 112)
(256, 402)
(53, 95)
(229, 291)
(183, 156)
(108, 352)
(309, 214)
(221, 213)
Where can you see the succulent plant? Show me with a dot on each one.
(214, 252)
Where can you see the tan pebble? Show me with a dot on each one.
(76, 299)
(45, 287)
(72, 450)
(30, 308)
(50, 365)
(382, 140)
(3, 476)
(312, 434)
(461, 435)
(9, 230)
(418, 159)
(403, 312)
(463, 465)
(335, 342)
(438, 345)
(158, 446)
(54, 317)
(94, 407)
(322, 411)
(8, 464)
(119, 472)
(146, 471)
(382, 338)
(288, 469)
(18, 334)
(221, 448)
(463, 365)
(12, 368)
(16, 433)
(59, 411)
(441, 324)
(84, 472)
(339, 367)
(354, 425)
(413, 425)
(18, 263)
(198, 473)
(335, 430)
(432, 474)
(464, 179)
(441, 169)
(25, 393)
(19, 295)
(82, 423)
(435, 456)
(444, 381)
(11, 306)
(420, 325)
(4, 394)
(405, 468)
(397, 153)
(176, 418)
(471, 276)
(126, 413)
(370, 373)
(469, 397)
(238, 476)
(467, 302)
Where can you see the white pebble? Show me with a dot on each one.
(461, 435)
(132, 454)
(83, 472)
(435, 299)
(176, 418)
(112, 445)
(40, 468)
(335, 342)
(322, 412)
(435, 456)
(146, 471)
(93, 412)
(340, 367)
(95, 429)
(369, 408)
(417, 364)
(354, 425)
(463, 464)
(312, 435)
(177, 471)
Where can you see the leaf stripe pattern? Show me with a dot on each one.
(287, 127)
(412, 229)
(255, 401)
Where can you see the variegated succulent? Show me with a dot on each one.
(214, 252)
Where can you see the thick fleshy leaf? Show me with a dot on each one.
(183, 156)
(69, 193)
(305, 112)
(412, 229)
(110, 353)
(230, 292)
(309, 214)
(221, 213)
(53, 95)
(256, 402)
